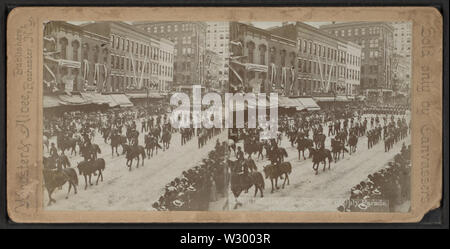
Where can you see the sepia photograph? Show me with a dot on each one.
(316, 116)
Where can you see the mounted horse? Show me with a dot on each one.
(302, 145)
(319, 140)
(353, 142)
(133, 152)
(90, 151)
(117, 140)
(55, 178)
(87, 168)
(320, 156)
(69, 143)
(243, 182)
(338, 148)
(274, 171)
(151, 145)
(251, 147)
(165, 139)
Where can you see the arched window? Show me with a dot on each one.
(283, 57)
(273, 52)
(63, 44)
(251, 51)
(262, 54)
(75, 47)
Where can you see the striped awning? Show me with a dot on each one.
(122, 100)
(309, 103)
(95, 98)
(50, 101)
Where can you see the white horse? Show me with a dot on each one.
(45, 143)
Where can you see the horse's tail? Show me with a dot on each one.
(289, 167)
(260, 180)
(102, 164)
(72, 175)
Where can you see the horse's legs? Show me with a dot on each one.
(256, 190)
(98, 177)
(85, 182)
(49, 191)
(143, 157)
(90, 180)
(276, 183)
(70, 186)
(137, 164)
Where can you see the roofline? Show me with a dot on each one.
(326, 34)
(267, 32)
(346, 24)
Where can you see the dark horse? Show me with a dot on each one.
(352, 141)
(87, 168)
(277, 154)
(133, 152)
(243, 182)
(274, 171)
(70, 144)
(165, 139)
(55, 178)
(117, 140)
(338, 148)
(254, 147)
(90, 151)
(302, 145)
(320, 156)
(319, 139)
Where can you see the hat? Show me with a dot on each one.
(362, 206)
(177, 203)
(376, 192)
(191, 188)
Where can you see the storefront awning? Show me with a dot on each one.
(72, 100)
(95, 98)
(309, 103)
(256, 68)
(50, 101)
(287, 102)
(152, 95)
(122, 100)
(331, 99)
(111, 101)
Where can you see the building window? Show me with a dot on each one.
(63, 42)
(250, 48)
(75, 47)
(262, 54)
(283, 57)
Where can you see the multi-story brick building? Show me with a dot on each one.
(74, 59)
(261, 61)
(189, 39)
(327, 66)
(218, 40)
(376, 41)
(139, 61)
(214, 71)
(402, 55)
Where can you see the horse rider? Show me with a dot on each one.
(240, 154)
(53, 151)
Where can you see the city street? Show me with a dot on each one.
(135, 190)
(310, 192)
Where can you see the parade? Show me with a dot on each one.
(92, 144)
(110, 141)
